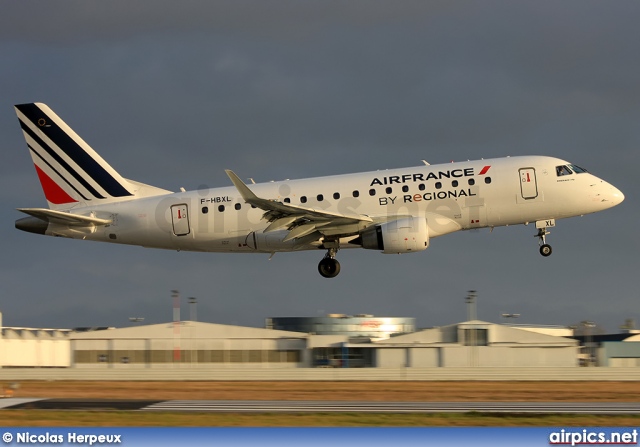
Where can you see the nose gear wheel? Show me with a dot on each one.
(545, 249)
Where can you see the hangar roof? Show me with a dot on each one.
(497, 335)
(192, 329)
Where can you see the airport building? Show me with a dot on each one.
(187, 342)
(22, 347)
(476, 343)
(356, 326)
(335, 341)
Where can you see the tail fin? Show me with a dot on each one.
(70, 171)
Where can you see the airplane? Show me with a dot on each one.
(391, 211)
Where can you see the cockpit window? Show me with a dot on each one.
(577, 169)
(563, 170)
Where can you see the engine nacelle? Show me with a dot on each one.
(406, 235)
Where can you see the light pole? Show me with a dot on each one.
(471, 316)
(193, 303)
(175, 295)
(131, 356)
(471, 305)
(193, 309)
(588, 325)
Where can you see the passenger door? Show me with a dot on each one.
(528, 183)
(180, 219)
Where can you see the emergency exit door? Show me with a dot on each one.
(180, 219)
(528, 184)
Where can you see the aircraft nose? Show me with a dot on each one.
(616, 195)
(611, 195)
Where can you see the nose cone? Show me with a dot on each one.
(616, 196)
(610, 196)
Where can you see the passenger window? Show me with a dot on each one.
(438, 185)
(405, 188)
(303, 199)
(237, 206)
(336, 195)
(389, 190)
(372, 192)
(320, 197)
(221, 208)
(205, 209)
(421, 187)
(454, 183)
(487, 180)
(472, 182)
(287, 200)
(562, 170)
(356, 193)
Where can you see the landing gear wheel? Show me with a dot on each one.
(329, 267)
(545, 250)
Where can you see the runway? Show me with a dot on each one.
(254, 406)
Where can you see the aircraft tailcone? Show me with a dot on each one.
(32, 225)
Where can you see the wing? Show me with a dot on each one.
(300, 221)
(62, 218)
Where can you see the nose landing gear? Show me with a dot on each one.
(542, 225)
(329, 267)
(545, 249)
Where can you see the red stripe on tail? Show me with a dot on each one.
(52, 191)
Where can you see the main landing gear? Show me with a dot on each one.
(329, 267)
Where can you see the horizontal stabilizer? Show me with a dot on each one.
(62, 218)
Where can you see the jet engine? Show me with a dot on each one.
(405, 235)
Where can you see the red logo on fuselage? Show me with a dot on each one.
(484, 170)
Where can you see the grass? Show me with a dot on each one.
(50, 418)
(341, 391)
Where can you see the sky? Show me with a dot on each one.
(173, 93)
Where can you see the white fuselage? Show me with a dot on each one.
(452, 197)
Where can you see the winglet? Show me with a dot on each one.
(242, 188)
